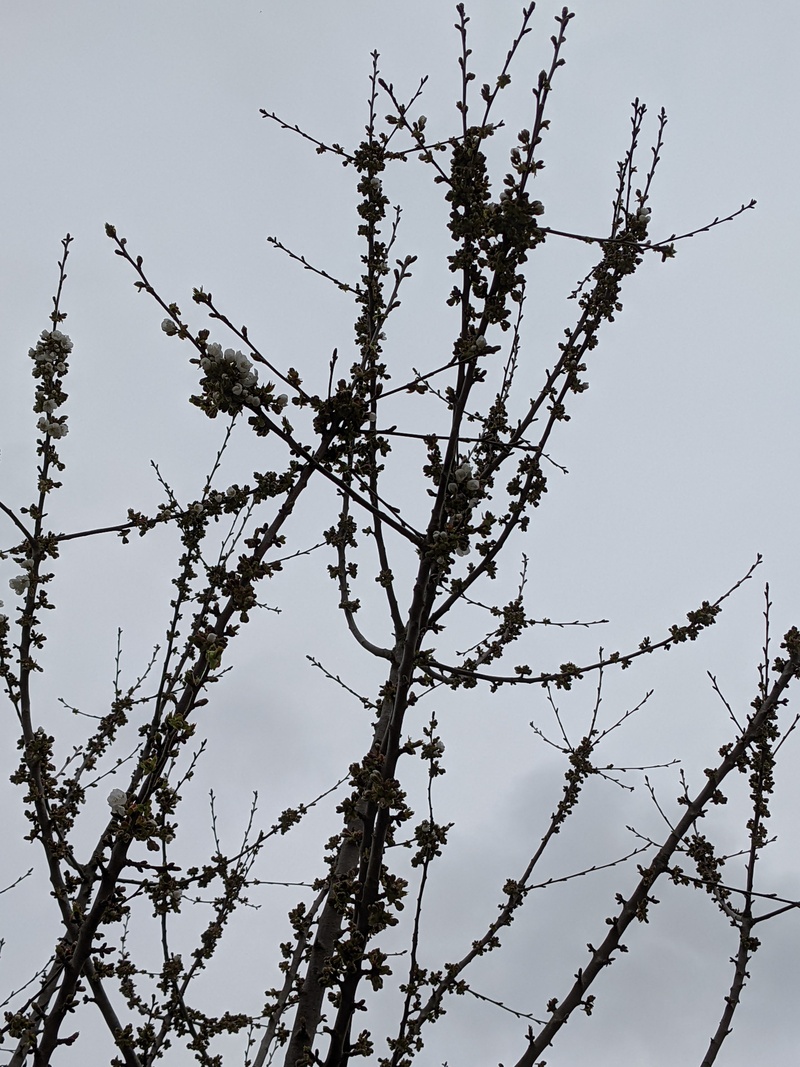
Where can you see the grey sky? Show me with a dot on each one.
(682, 454)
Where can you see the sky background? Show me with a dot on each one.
(682, 454)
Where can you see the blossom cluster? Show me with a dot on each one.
(537, 207)
(237, 372)
(21, 582)
(231, 380)
(464, 481)
(640, 218)
(464, 492)
(118, 801)
(50, 356)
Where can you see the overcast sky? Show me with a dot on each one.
(682, 454)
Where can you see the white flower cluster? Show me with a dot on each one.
(169, 327)
(236, 367)
(118, 801)
(643, 215)
(537, 207)
(232, 377)
(20, 584)
(52, 351)
(439, 535)
(463, 484)
(50, 356)
(51, 427)
(464, 479)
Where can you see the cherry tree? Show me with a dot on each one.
(426, 471)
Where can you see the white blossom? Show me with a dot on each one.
(20, 583)
(169, 327)
(51, 427)
(117, 801)
(58, 338)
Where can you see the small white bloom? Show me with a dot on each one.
(20, 583)
(438, 747)
(473, 485)
(480, 341)
(281, 401)
(117, 801)
(60, 338)
(537, 207)
(462, 551)
(169, 327)
(237, 390)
